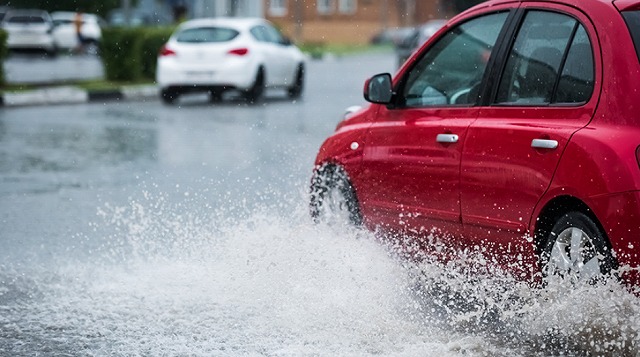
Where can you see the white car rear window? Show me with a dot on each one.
(26, 19)
(207, 35)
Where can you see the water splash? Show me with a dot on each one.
(171, 279)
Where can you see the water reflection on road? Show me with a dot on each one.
(41, 148)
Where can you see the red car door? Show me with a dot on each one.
(546, 94)
(411, 161)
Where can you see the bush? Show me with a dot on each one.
(153, 40)
(3, 54)
(130, 54)
(120, 49)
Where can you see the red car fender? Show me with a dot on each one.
(349, 140)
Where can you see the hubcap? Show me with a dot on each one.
(573, 255)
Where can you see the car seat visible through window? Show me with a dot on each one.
(540, 75)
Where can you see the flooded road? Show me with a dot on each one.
(133, 228)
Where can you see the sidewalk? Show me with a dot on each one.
(68, 94)
(46, 73)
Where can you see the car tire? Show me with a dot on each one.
(295, 91)
(576, 249)
(333, 198)
(215, 96)
(52, 52)
(169, 96)
(255, 93)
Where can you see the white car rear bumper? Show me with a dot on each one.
(26, 40)
(237, 73)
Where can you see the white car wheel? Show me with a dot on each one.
(169, 96)
(255, 93)
(295, 91)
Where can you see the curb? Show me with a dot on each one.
(75, 95)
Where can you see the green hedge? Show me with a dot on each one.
(3, 54)
(129, 54)
(120, 52)
(152, 41)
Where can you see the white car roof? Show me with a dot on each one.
(240, 24)
(27, 12)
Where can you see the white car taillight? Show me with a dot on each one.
(239, 51)
(166, 51)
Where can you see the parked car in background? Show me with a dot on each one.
(3, 11)
(64, 32)
(418, 36)
(392, 36)
(29, 30)
(514, 133)
(223, 54)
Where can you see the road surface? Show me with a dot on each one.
(138, 229)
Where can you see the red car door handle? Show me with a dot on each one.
(447, 138)
(544, 144)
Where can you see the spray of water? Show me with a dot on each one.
(172, 279)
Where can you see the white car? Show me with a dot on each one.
(64, 32)
(28, 30)
(220, 54)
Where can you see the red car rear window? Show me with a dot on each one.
(632, 19)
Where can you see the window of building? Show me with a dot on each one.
(277, 7)
(347, 6)
(325, 7)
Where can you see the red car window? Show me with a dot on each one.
(448, 73)
(551, 61)
(577, 76)
(632, 19)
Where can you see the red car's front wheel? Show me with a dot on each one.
(333, 198)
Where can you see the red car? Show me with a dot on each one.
(515, 129)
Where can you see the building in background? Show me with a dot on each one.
(175, 11)
(233, 8)
(316, 21)
(189, 9)
(348, 21)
